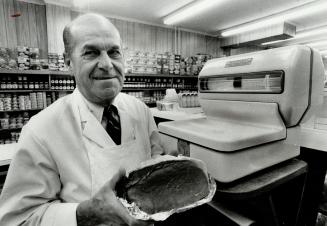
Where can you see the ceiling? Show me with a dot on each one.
(221, 15)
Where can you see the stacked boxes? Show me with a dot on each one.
(28, 58)
(44, 64)
(34, 54)
(136, 62)
(7, 60)
(166, 63)
(159, 60)
(23, 57)
(53, 61)
(141, 62)
(14, 102)
(193, 65)
(174, 61)
(61, 63)
(56, 62)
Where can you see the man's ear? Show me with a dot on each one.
(67, 59)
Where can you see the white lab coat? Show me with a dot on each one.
(53, 169)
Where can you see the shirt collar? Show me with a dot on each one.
(95, 109)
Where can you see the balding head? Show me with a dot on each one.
(85, 21)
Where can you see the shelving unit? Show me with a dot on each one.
(50, 85)
(25, 93)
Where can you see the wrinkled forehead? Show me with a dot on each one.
(91, 28)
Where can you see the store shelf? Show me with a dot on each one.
(34, 90)
(60, 90)
(158, 88)
(12, 111)
(9, 130)
(161, 76)
(34, 72)
(142, 89)
(186, 88)
(24, 90)
(49, 72)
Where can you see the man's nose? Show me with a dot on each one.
(105, 62)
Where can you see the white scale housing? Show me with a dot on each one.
(252, 103)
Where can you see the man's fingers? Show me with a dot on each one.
(126, 217)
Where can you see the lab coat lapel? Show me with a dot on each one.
(93, 130)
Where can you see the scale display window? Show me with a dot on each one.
(257, 82)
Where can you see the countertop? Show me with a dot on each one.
(179, 113)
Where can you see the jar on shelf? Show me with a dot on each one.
(2, 102)
(3, 83)
(12, 123)
(25, 83)
(19, 121)
(26, 117)
(36, 85)
(7, 102)
(4, 122)
(14, 84)
(9, 83)
(14, 103)
(31, 85)
(19, 82)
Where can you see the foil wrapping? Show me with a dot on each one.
(137, 213)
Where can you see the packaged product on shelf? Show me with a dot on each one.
(48, 99)
(23, 57)
(7, 102)
(35, 64)
(53, 61)
(12, 123)
(34, 58)
(28, 103)
(4, 121)
(20, 121)
(7, 58)
(33, 100)
(21, 102)
(2, 102)
(61, 63)
(44, 65)
(14, 103)
(26, 117)
(34, 52)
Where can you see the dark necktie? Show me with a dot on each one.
(113, 123)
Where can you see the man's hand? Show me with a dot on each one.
(105, 209)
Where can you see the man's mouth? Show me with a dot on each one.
(102, 78)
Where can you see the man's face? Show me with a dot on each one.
(97, 61)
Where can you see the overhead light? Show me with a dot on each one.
(296, 12)
(189, 10)
(301, 34)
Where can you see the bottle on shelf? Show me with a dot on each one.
(20, 82)
(3, 84)
(25, 83)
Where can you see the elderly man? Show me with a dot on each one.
(71, 154)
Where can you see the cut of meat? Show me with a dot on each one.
(165, 186)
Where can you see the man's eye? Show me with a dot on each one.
(90, 52)
(114, 53)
